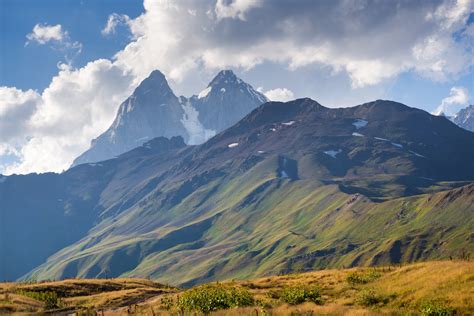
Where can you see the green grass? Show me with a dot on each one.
(263, 225)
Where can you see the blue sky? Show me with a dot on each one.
(83, 20)
(63, 75)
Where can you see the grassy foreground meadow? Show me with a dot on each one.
(427, 288)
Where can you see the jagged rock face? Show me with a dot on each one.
(225, 101)
(465, 118)
(153, 110)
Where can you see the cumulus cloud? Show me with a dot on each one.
(113, 21)
(16, 108)
(47, 131)
(43, 33)
(458, 97)
(367, 41)
(279, 94)
(370, 41)
(57, 37)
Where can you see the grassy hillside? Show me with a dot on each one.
(427, 288)
(229, 235)
(306, 187)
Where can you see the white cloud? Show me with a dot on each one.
(113, 21)
(59, 124)
(368, 43)
(57, 38)
(235, 8)
(16, 108)
(279, 94)
(371, 43)
(458, 97)
(43, 33)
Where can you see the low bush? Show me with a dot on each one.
(433, 308)
(49, 298)
(299, 294)
(212, 297)
(362, 278)
(371, 298)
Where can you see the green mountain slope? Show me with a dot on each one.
(291, 187)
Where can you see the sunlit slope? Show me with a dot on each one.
(292, 186)
(259, 224)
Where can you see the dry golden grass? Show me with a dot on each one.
(77, 294)
(451, 283)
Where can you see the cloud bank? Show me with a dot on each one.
(458, 97)
(279, 94)
(369, 41)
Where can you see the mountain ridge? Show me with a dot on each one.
(162, 208)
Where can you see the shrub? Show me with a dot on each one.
(212, 297)
(299, 294)
(370, 298)
(433, 308)
(167, 303)
(362, 278)
(50, 298)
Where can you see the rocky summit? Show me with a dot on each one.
(153, 110)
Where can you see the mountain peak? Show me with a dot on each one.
(225, 77)
(156, 81)
(465, 118)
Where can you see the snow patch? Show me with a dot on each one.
(233, 145)
(283, 174)
(397, 145)
(95, 164)
(204, 92)
(333, 153)
(289, 123)
(196, 131)
(357, 134)
(129, 106)
(223, 90)
(359, 123)
(382, 139)
(260, 152)
(417, 154)
(273, 129)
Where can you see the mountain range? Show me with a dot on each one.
(290, 187)
(465, 118)
(153, 110)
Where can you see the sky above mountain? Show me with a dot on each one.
(66, 66)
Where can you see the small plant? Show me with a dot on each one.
(50, 298)
(167, 303)
(299, 294)
(433, 308)
(371, 298)
(362, 278)
(212, 297)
